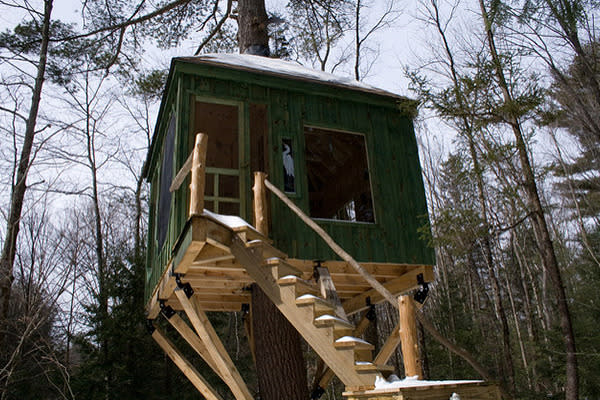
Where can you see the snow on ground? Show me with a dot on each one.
(393, 382)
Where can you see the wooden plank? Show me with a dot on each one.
(209, 337)
(185, 366)
(211, 253)
(408, 337)
(465, 390)
(193, 340)
(388, 347)
(382, 270)
(182, 174)
(396, 286)
(198, 176)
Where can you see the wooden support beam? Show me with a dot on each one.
(388, 347)
(198, 175)
(182, 174)
(261, 222)
(401, 284)
(185, 366)
(193, 340)
(225, 367)
(408, 337)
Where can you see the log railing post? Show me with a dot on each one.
(198, 175)
(408, 337)
(261, 222)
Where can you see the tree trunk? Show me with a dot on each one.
(279, 360)
(546, 246)
(252, 27)
(280, 363)
(7, 258)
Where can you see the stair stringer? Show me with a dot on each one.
(321, 339)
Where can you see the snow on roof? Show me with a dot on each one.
(288, 69)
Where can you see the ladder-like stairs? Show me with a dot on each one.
(299, 300)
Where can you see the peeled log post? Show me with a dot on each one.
(408, 337)
(198, 175)
(261, 222)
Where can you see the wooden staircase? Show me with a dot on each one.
(299, 300)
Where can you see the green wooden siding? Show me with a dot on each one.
(397, 187)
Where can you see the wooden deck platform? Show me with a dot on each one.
(202, 254)
(466, 390)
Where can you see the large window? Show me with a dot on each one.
(339, 185)
(166, 175)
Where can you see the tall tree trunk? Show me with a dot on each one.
(279, 360)
(7, 258)
(279, 357)
(546, 246)
(252, 27)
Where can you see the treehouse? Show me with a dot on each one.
(261, 171)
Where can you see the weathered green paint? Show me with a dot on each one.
(385, 122)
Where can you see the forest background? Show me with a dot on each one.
(509, 95)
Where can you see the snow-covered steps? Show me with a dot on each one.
(320, 305)
(340, 327)
(302, 286)
(280, 268)
(351, 342)
(265, 249)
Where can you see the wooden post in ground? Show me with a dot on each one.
(408, 337)
(261, 222)
(198, 175)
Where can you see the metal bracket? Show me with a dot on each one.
(315, 269)
(186, 287)
(245, 308)
(150, 326)
(371, 314)
(421, 294)
(317, 393)
(166, 310)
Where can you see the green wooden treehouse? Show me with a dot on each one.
(344, 155)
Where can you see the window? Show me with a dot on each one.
(339, 185)
(166, 176)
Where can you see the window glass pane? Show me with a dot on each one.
(166, 176)
(339, 184)
(289, 177)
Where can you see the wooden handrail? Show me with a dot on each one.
(333, 245)
(386, 294)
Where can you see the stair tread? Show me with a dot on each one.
(328, 319)
(309, 299)
(266, 247)
(353, 342)
(365, 366)
(284, 268)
